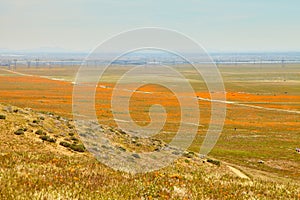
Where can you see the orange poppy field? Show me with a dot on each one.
(262, 120)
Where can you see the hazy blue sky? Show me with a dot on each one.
(223, 25)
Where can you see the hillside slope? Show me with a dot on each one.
(41, 157)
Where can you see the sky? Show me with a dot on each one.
(218, 25)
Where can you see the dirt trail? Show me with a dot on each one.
(18, 73)
(250, 106)
(30, 75)
(238, 172)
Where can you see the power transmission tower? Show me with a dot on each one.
(37, 62)
(50, 65)
(283, 69)
(28, 63)
(8, 64)
(15, 64)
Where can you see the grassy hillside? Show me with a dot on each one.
(32, 167)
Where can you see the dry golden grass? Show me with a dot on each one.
(32, 169)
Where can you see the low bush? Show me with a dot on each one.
(48, 138)
(215, 162)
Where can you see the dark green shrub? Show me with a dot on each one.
(2, 117)
(19, 131)
(36, 121)
(77, 147)
(74, 139)
(48, 139)
(65, 144)
(215, 162)
(40, 132)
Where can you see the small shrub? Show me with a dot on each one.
(215, 162)
(71, 134)
(40, 132)
(70, 126)
(19, 131)
(2, 117)
(65, 144)
(74, 139)
(136, 155)
(36, 121)
(48, 139)
(121, 148)
(67, 139)
(77, 147)
(42, 118)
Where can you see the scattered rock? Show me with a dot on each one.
(8, 109)
(261, 162)
(133, 140)
(189, 154)
(32, 124)
(176, 152)
(23, 112)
